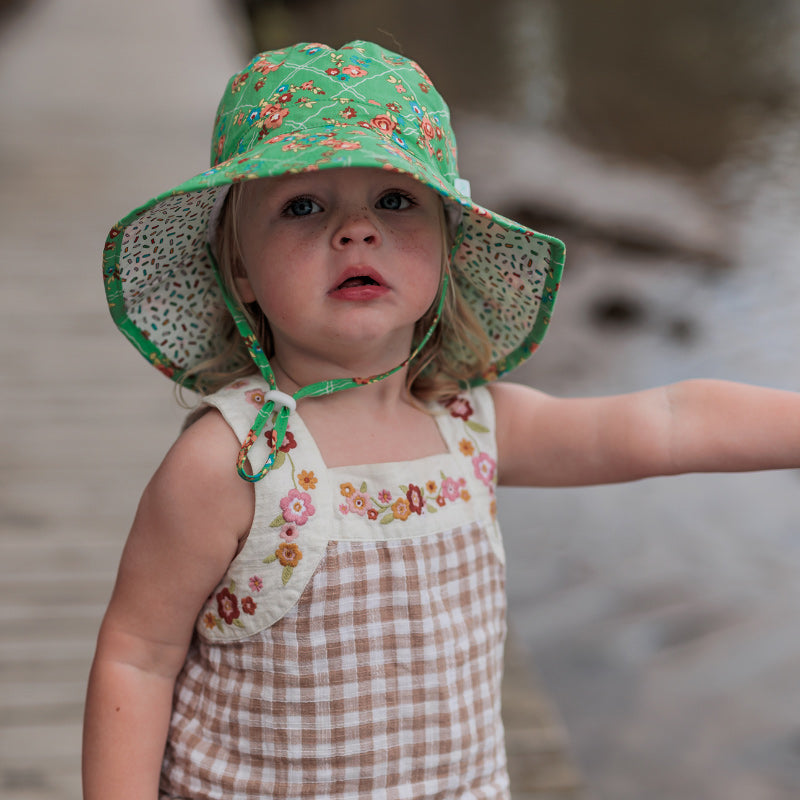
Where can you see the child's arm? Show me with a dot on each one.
(694, 426)
(187, 530)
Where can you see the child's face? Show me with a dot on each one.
(341, 260)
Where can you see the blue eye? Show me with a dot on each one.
(395, 201)
(301, 207)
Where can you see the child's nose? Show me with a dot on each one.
(355, 228)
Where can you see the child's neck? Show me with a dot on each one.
(376, 423)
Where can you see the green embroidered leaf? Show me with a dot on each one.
(477, 427)
(232, 587)
(280, 458)
(431, 507)
(270, 559)
(404, 489)
(238, 623)
(278, 522)
(220, 625)
(387, 518)
(363, 489)
(287, 573)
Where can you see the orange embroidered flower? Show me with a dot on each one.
(288, 554)
(401, 508)
(209, 620)
(466, 447)
(347, 489)
(431, 487)
(307, 480)
(465, 495)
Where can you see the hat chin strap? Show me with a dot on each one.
(277, 404)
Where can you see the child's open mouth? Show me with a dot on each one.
(358, 286)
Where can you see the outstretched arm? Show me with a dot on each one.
(694, 426)
(185, 534)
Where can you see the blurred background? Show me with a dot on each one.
(660, 140)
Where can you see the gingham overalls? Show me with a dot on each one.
(354, 647)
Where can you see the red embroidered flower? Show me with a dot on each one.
(288, 554)
(332, 71)
(414, 497)
(349, 112)
(285, 98)
(354, 72)
(289, 442)
(249, 605)
(459, 407)
(372, 513)
(227, 606)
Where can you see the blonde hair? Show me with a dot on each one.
(433, 375)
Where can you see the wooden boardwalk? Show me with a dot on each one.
(84, 419)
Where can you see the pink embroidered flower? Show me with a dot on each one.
(450, 489)
(290, 533)
(227, 606)
(359, 503)
(343, 508)
(415, 501)
(384, 496)
(485, 467)
(249, 605)
(354, 72)
(256, 584)
(459, 407)
(297, 507)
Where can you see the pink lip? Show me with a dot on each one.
(359, 291)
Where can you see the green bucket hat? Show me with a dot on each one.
(314, 107)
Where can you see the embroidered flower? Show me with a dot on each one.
(465, 495)
(430, 487)
(249, 605)
(384, 123)
(290, 533)
(288, 444)
(349, 112)
(256, 584)
(372, 513)
(466, 447)
(358, 503)
(227, 606)
(450, 489)
(272, 116)
(354, 72)
(256, 397)
(297, 507)
(384, 496)
(288, 554)
(347, 489)
(459, 407)
(484, 466)
(414, 497)
(209, 620)
(401, 508)
(307, 480)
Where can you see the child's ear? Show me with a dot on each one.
(243, 286)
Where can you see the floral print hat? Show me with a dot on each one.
(313, 107)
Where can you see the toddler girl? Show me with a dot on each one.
(310, 602)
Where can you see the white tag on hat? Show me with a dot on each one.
(462, 187)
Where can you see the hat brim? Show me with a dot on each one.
(164, 297)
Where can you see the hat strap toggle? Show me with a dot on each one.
(277, 404)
